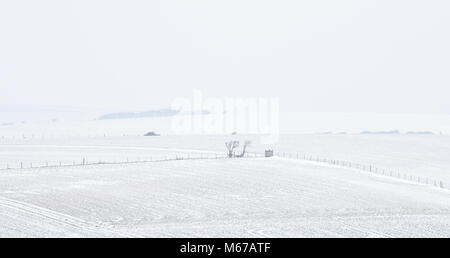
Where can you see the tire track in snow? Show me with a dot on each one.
(67, 221)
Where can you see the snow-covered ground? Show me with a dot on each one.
(67, 140)
(255, 197)
(424, 156)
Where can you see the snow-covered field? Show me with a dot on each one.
(169, 119)
(255, 197)
(252, 197)
(424, 156)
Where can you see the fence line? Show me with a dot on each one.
(203, 156)
(85, 161)
(367, 168)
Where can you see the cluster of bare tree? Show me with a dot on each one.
(233, 145)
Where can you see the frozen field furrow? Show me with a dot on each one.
(218, 198)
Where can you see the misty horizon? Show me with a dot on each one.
(351, 56)
(227, 120)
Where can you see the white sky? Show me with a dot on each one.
(346, 56)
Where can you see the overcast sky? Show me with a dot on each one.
(350, 56)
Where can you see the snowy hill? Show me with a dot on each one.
(218, 198)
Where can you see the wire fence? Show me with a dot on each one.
(89, 162)
(367, 168)
(199, 156)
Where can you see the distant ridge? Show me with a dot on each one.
(381, 132)
(152, 113)
(167, 112)
(422, 132)
(398, 132)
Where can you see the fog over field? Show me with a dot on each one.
(224, 118)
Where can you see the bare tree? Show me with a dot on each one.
(246, 144)
(231, 145)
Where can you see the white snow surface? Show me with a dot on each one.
(253, 197)
(425, 156)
